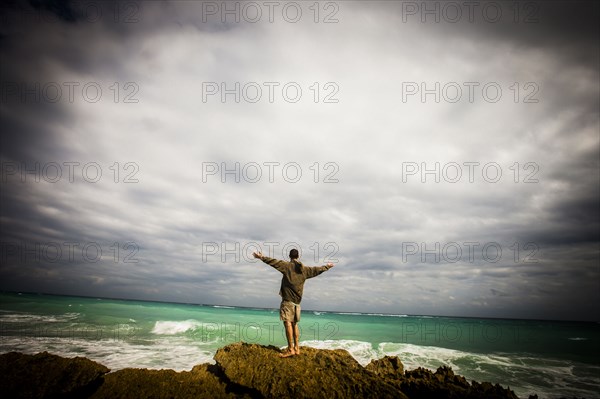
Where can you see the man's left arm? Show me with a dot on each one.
(316, 270)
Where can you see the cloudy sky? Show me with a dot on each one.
(445, 157)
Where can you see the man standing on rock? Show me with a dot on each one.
(292, 285)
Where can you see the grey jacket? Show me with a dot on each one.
(294, 276)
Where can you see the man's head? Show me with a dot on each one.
(294, 254)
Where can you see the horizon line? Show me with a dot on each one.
(307, 310)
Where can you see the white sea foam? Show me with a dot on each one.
(176, 353)
(412, 356)
(578, 339)
(13, 317)
(175, 327)
(432, 357)
(386, 315)
(166, 349)
(376, 314)
(363, 352)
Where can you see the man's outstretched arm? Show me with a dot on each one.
(276, 263)
(316, 270)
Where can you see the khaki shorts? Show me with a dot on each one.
(289, 311)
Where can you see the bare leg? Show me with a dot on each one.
(296, 338)
(289, 333)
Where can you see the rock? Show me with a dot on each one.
(444, 384)
(48, 376)
(315, 373)
(241, 371)
(487, 390)
(388, 366)
(142, 383)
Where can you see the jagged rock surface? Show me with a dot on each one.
(162, 384)
(387, 366)
(444, 384)
(314, 374)
(48, 376)
(241, 370)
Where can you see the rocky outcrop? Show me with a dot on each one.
(48, 376)
(241, 371)
(315, 373)
(423, 384)
(387, 367)
(142, 383)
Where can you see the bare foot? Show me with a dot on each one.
(287, 353)
(297, 350)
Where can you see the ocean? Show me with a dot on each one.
(547, 358)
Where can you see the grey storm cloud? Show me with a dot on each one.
(467, 208)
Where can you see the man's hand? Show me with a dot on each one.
(257, 255)
(330, 264)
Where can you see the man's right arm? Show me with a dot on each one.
(275, 263)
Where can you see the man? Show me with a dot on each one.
(292, 285)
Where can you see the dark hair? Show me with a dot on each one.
(294, 254)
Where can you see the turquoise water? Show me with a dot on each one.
(551, 359)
